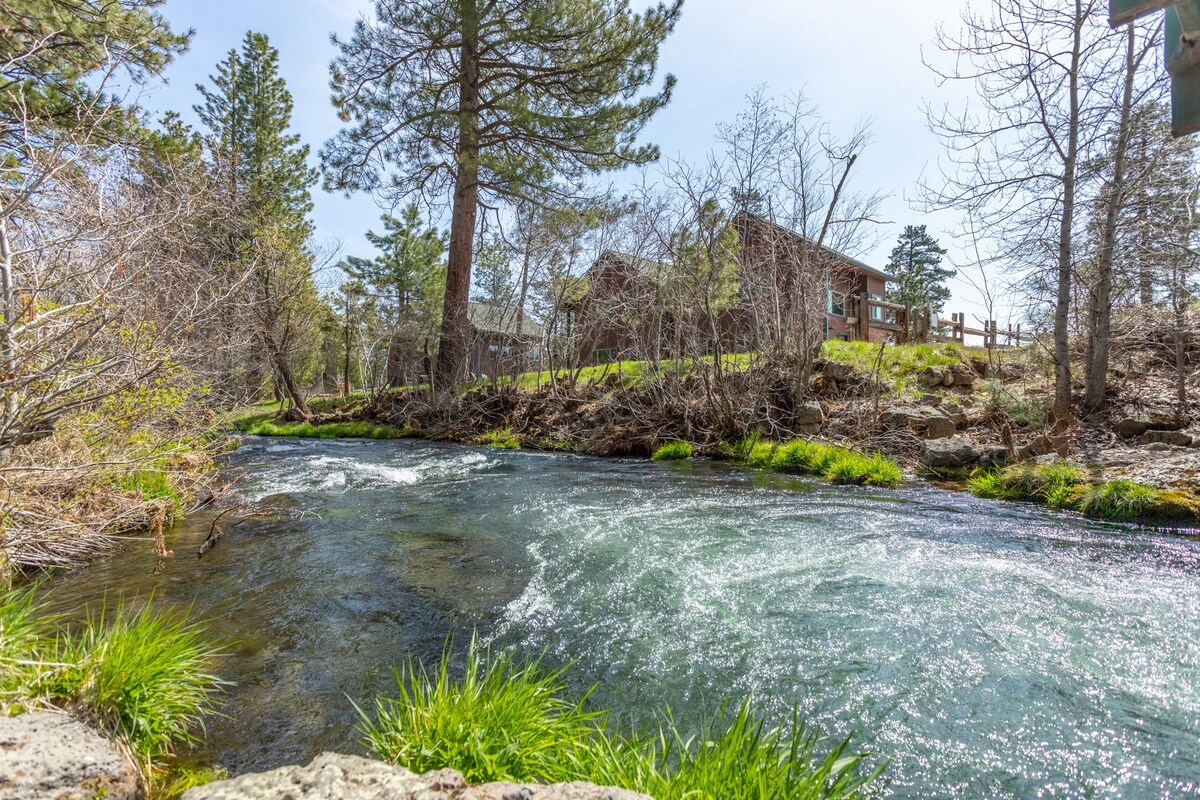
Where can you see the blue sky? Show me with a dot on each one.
(856, 60)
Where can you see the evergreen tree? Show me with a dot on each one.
(506, 99)
(409, 254)
(404, 275)
(920, 278)
(248, 113)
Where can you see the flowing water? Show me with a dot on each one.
(988, 650)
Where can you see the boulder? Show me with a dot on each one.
(48, 755)
(809, 417)
(963, 376)
(933, 376)
(981, 366)
(1174, 438)
(1135, 425)
(923, 420)
(332, 776)
(954, 452)
(956, 414)
(1010, 372)
(994, 455)
(931, 399)
(838, 372)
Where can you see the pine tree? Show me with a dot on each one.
(507, 99)
(920, 278)
(404, 274)
(248, 113)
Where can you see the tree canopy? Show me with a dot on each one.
(920, 278)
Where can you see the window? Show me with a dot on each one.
(493, 350)
(837, 303)
(507, 353)
(877, 311)
(535, 355)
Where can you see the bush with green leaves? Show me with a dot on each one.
(506, 719)
(674, 451)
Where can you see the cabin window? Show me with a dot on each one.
(535, 354)
(493, 350)
(837, 303)
(877, 311)
(605, 355)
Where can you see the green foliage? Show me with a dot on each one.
(142, 676)
(1023, 410)
(901, 364)
(673, 451)
(248, 111)
(50, 53)
(559, 94)
(828, 462)
(1064, 486)
(509, 720)
(502, 438)
(920, 278)
(325, 430)
(407, 274)
(179, 780)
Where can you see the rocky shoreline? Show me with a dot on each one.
(50, 755)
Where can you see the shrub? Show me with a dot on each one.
(673, 451)
(502, 438)
(507, 720)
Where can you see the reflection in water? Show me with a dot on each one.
(989, 650)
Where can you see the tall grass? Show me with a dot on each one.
(509, 720)
(326, 430)
(142, 676)
(829, 462)
(501, 438)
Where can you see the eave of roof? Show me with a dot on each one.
(878, 273)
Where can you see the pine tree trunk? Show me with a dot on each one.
(451, 365)
(1100, 318)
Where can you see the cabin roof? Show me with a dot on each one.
(854, 262)
(491, 318)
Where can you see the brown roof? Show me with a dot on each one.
(490, 318)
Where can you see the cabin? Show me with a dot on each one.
(782, 275)
(503, 341)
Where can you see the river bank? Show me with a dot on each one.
(944, 414)
(926, 624)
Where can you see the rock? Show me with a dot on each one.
(938, 427)
(1010, 372)
(53, 756)
(931, 399)
(809, 415)
(954, 452)
(924, 420)
(838, 372)
(1137, 424)
(1174, 438)
(962, 375)
(933, 376)
(332, 776)
(994, 455)
(981, 366)
(955, 413)
(1041, 445)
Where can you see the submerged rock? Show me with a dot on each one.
(53, 756)
(332, 776)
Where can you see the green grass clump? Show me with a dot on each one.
(510, 720)
(358, 429)
(1064, 486)
(141, 676)
(673, 451)
(1044, 483)
(826, 461)
(502, 438)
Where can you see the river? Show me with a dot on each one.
(988, 650)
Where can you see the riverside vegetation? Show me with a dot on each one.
(143, 677)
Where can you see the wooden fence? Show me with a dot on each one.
(863, 313)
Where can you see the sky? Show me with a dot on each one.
(857, 61)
